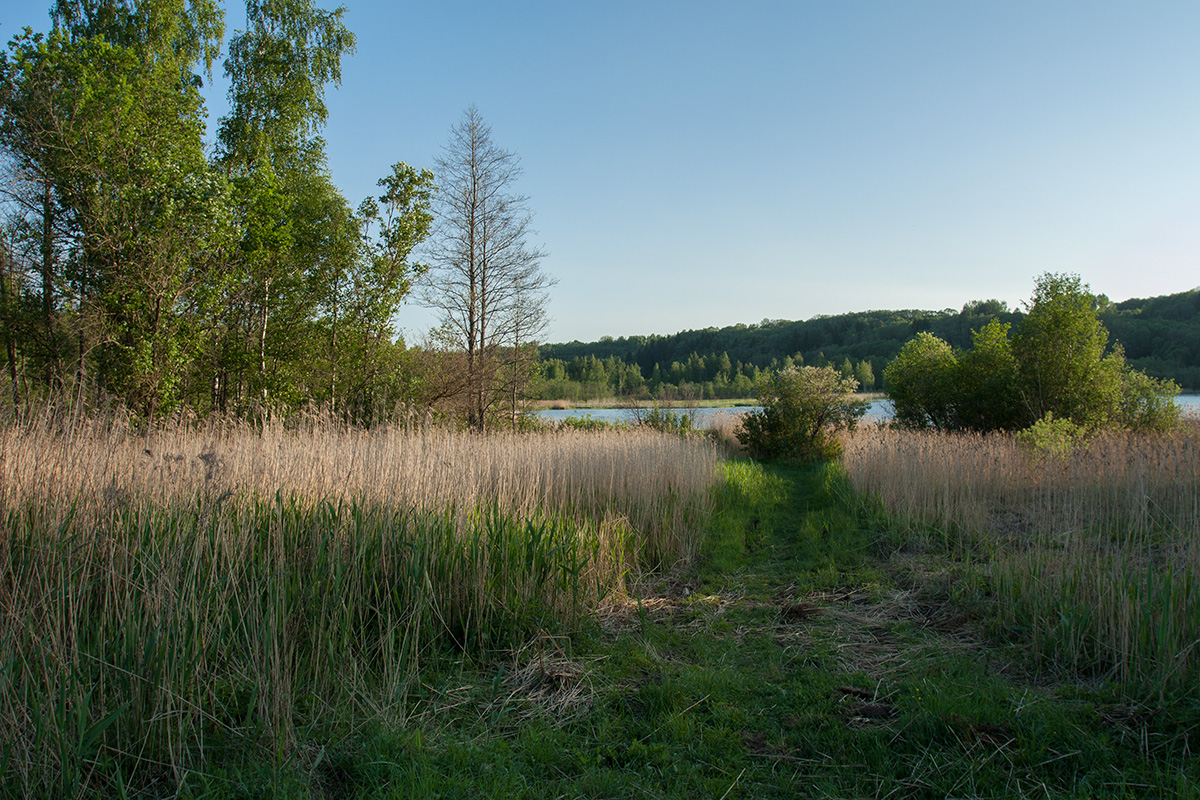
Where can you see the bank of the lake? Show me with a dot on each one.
(880, 410)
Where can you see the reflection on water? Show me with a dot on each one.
(702, 416)
(878, 410)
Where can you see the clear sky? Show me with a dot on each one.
(694, 163)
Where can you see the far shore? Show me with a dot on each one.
(625, 402)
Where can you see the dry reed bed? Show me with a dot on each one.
(1096, 553)
(197, 587)
(92, 462)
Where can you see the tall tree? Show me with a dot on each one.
(986, 384)
(103, 121)
(920, 382)
(1059, 350)
(486, 277)
(279, 68)
(360, 295)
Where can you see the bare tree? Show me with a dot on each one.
(485, 278)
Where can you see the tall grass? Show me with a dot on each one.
(1096, 552)
(188, 593)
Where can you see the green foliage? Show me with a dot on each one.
(1146, 404)
(804, 409)
(1055, 368)
(665, 420)
(1063, 369)
(113, 192)
(1059, 348)
(985, 383)
(360, 285)
(1052, 438)
(141, 270)
(278, 70)
(864, 373)
(187, 31)
(587, 424)
(1161, 335)
(921, 383)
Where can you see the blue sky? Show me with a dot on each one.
(701, 163)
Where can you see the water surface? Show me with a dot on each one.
(879, 411)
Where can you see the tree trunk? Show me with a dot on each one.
(10, 349)
(55, 378)
(262, 341)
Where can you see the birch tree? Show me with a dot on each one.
(101, 123)
(279, 68)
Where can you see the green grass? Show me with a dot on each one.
(800, 656)
(796, 659)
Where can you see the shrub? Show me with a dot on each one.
(1054, 366)
(803, 410)
(587, 424)
(665, 420)
(921, 383)
(1147, 404)
(1052, 438)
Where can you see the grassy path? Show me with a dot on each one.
(793, 662)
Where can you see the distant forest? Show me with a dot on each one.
(1161, 335)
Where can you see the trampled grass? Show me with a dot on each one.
(182, 596)
(1093, 556)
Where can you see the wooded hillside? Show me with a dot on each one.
(1161, 335)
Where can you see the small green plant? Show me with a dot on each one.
(587, 424)
(667, 421)
(804, 410)
(1052, 438)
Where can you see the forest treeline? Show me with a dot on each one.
(1160, 336)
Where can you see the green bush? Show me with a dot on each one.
(1055, 367)
(665, 420)
(587, 424)
(1052, 438)
(920, 382)
(804, 408)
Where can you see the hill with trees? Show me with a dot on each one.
(1160, 335)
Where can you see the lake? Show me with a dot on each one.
(878, 410)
